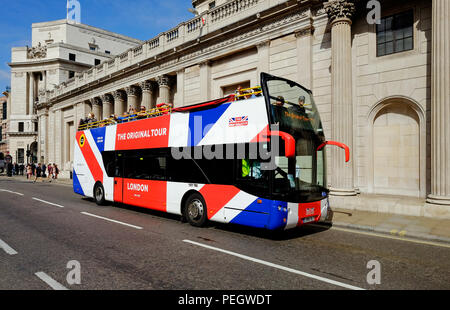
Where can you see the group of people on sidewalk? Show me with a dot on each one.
(42, 172)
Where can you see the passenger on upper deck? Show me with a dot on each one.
(142, 113)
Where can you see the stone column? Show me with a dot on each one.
(97, 108)
(147, 94)
(340, 13)
(132, 93)
(304, 56)
(440, 101)
(164, 88)
(205, 81)
(108, 103)
(119, 102)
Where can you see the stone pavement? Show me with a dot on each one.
(414, 227)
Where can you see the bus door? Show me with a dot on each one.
(118, 178)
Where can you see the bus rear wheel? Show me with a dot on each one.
(195, 210)
(99, 194)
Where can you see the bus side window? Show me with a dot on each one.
(119, 165)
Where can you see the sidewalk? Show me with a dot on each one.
(414, 227)
(59, 181)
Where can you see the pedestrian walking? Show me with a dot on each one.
(38, 173)
(50, 172)
(44, 169)
(29, 172)
(55, 171)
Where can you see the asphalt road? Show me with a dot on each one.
(159, 252)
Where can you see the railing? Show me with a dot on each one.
(184, 32)
(138, 116)
(172, 35)
(247, 93)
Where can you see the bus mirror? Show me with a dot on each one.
(289, 142)
(341, 145)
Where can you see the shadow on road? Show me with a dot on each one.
(280, 235)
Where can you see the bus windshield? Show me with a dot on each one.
(292, 108)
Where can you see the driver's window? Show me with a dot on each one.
(250, 169)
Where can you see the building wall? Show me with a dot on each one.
(391, 94)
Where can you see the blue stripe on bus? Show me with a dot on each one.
(204, 120)
(76, 185)
(98, 134)
(263, 215)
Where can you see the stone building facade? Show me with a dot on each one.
(60, 50)
(381, 89)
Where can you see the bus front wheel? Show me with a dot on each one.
(99, 194)
(195, 210)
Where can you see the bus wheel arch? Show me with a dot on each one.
(194, 209)
(99, 193)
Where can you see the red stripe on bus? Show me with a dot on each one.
(90, 158)
(217, 196)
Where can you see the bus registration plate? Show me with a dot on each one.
(308, 219)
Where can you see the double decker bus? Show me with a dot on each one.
(256, 158)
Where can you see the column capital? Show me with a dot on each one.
(132, 90)
(146, 86)
(163, 81)
(96, 101)
(340, 10)
(107, 98)
(119, 95)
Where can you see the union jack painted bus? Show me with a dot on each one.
(256, 158)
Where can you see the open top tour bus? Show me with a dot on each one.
(256, 158)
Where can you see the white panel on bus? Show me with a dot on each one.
(229, 130)
(179, 129)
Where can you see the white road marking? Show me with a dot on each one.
(52, 283)
(49, 203)
(262, 262)
(380, 235)
(114, 221)
(9, 250)
(8, 191)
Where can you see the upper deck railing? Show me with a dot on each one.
(241, 94)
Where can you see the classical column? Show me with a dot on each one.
(164, 88)
(97, 108)
(205, 81)
(132, 93)
(119, 102)
(108, 103)
(340, 13)
(304, 56)
(440, 101)
(147, 94)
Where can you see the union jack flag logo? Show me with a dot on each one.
(238, 121)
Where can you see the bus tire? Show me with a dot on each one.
(195, 211)
(99, 194)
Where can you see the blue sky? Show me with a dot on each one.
(140, 19)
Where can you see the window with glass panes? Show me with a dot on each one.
(395, 34)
